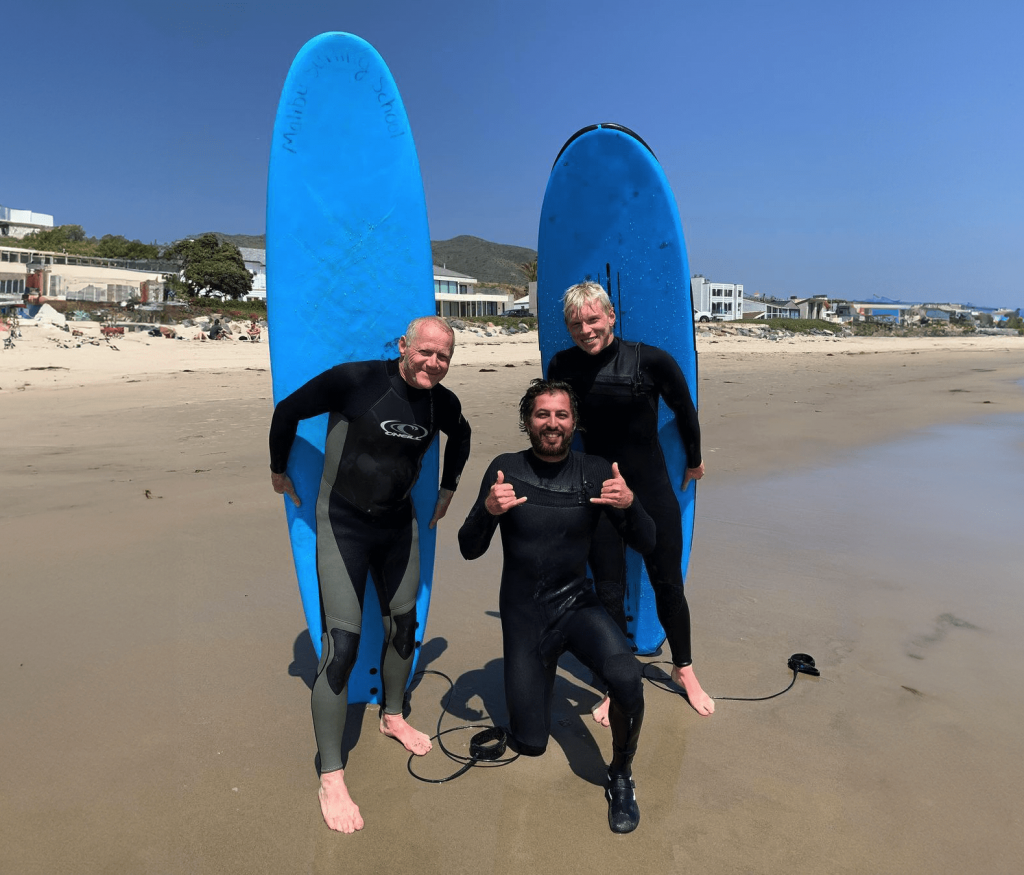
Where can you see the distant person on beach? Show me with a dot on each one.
(619, 383)
(383, 416)
(548, 502)
(217, 331)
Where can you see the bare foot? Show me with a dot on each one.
(414, 741)
(600, 711)
(700, 701)
(339, 811)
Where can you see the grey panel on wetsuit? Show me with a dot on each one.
(339, 600)
(329, 707)
(341, 610)
(398, 628)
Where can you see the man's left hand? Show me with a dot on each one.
(444, 498)
(615, 491)
(693, 474)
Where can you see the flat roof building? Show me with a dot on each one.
(21, 223)
(723, 300)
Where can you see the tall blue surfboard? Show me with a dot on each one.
(348, 266)
(609, 216)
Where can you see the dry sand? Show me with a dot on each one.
(155, 669)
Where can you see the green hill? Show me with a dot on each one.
(488, 262)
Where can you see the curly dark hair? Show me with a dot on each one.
(545, 387)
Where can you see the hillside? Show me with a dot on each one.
(488, 262)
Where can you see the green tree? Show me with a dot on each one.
(118, 246)
(1015, 321)
(207, 265)
(62, 238)
(529, 270)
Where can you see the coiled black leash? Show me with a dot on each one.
(800, 663)
(486, 748)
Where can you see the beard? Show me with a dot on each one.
(552, 452)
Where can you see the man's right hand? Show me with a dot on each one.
(282, 484)
(502, 497)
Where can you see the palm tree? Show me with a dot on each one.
(529, 270)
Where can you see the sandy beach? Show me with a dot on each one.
(155, 669)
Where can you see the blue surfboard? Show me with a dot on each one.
(348, 266)
(609, 216)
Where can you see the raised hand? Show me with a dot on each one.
(615, 492)
(502, 497)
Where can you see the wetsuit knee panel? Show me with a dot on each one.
(670, 599)
(621, 672)
(345, 648)
(404, 640)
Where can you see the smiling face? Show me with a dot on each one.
(592, 327)
(551, 426)
(425, 356)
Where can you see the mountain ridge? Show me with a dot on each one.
(484, 260)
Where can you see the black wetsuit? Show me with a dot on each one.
(547, 603)
(618, 391)
(379, 428)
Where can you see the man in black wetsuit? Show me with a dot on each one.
(548, 501)
(618, 384)
(383, 416)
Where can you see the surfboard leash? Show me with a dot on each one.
(800, 663)
(486, 748)
(490, 744)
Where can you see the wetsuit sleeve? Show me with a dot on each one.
(323, 394)
(458, 433)
(671, 385)
(478, 529)
(633, 524)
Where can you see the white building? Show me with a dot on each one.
(75, 277)
(724, 300)
(454, 293)
(21, 223)
(89, 278)
(455, 297)
(256, 263)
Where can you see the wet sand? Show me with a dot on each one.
(155, 669)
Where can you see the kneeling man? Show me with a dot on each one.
(548, 502)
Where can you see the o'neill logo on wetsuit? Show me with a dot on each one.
(406, 430)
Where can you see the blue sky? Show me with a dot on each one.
(845, 149)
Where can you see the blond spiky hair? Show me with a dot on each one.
(578, 296)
